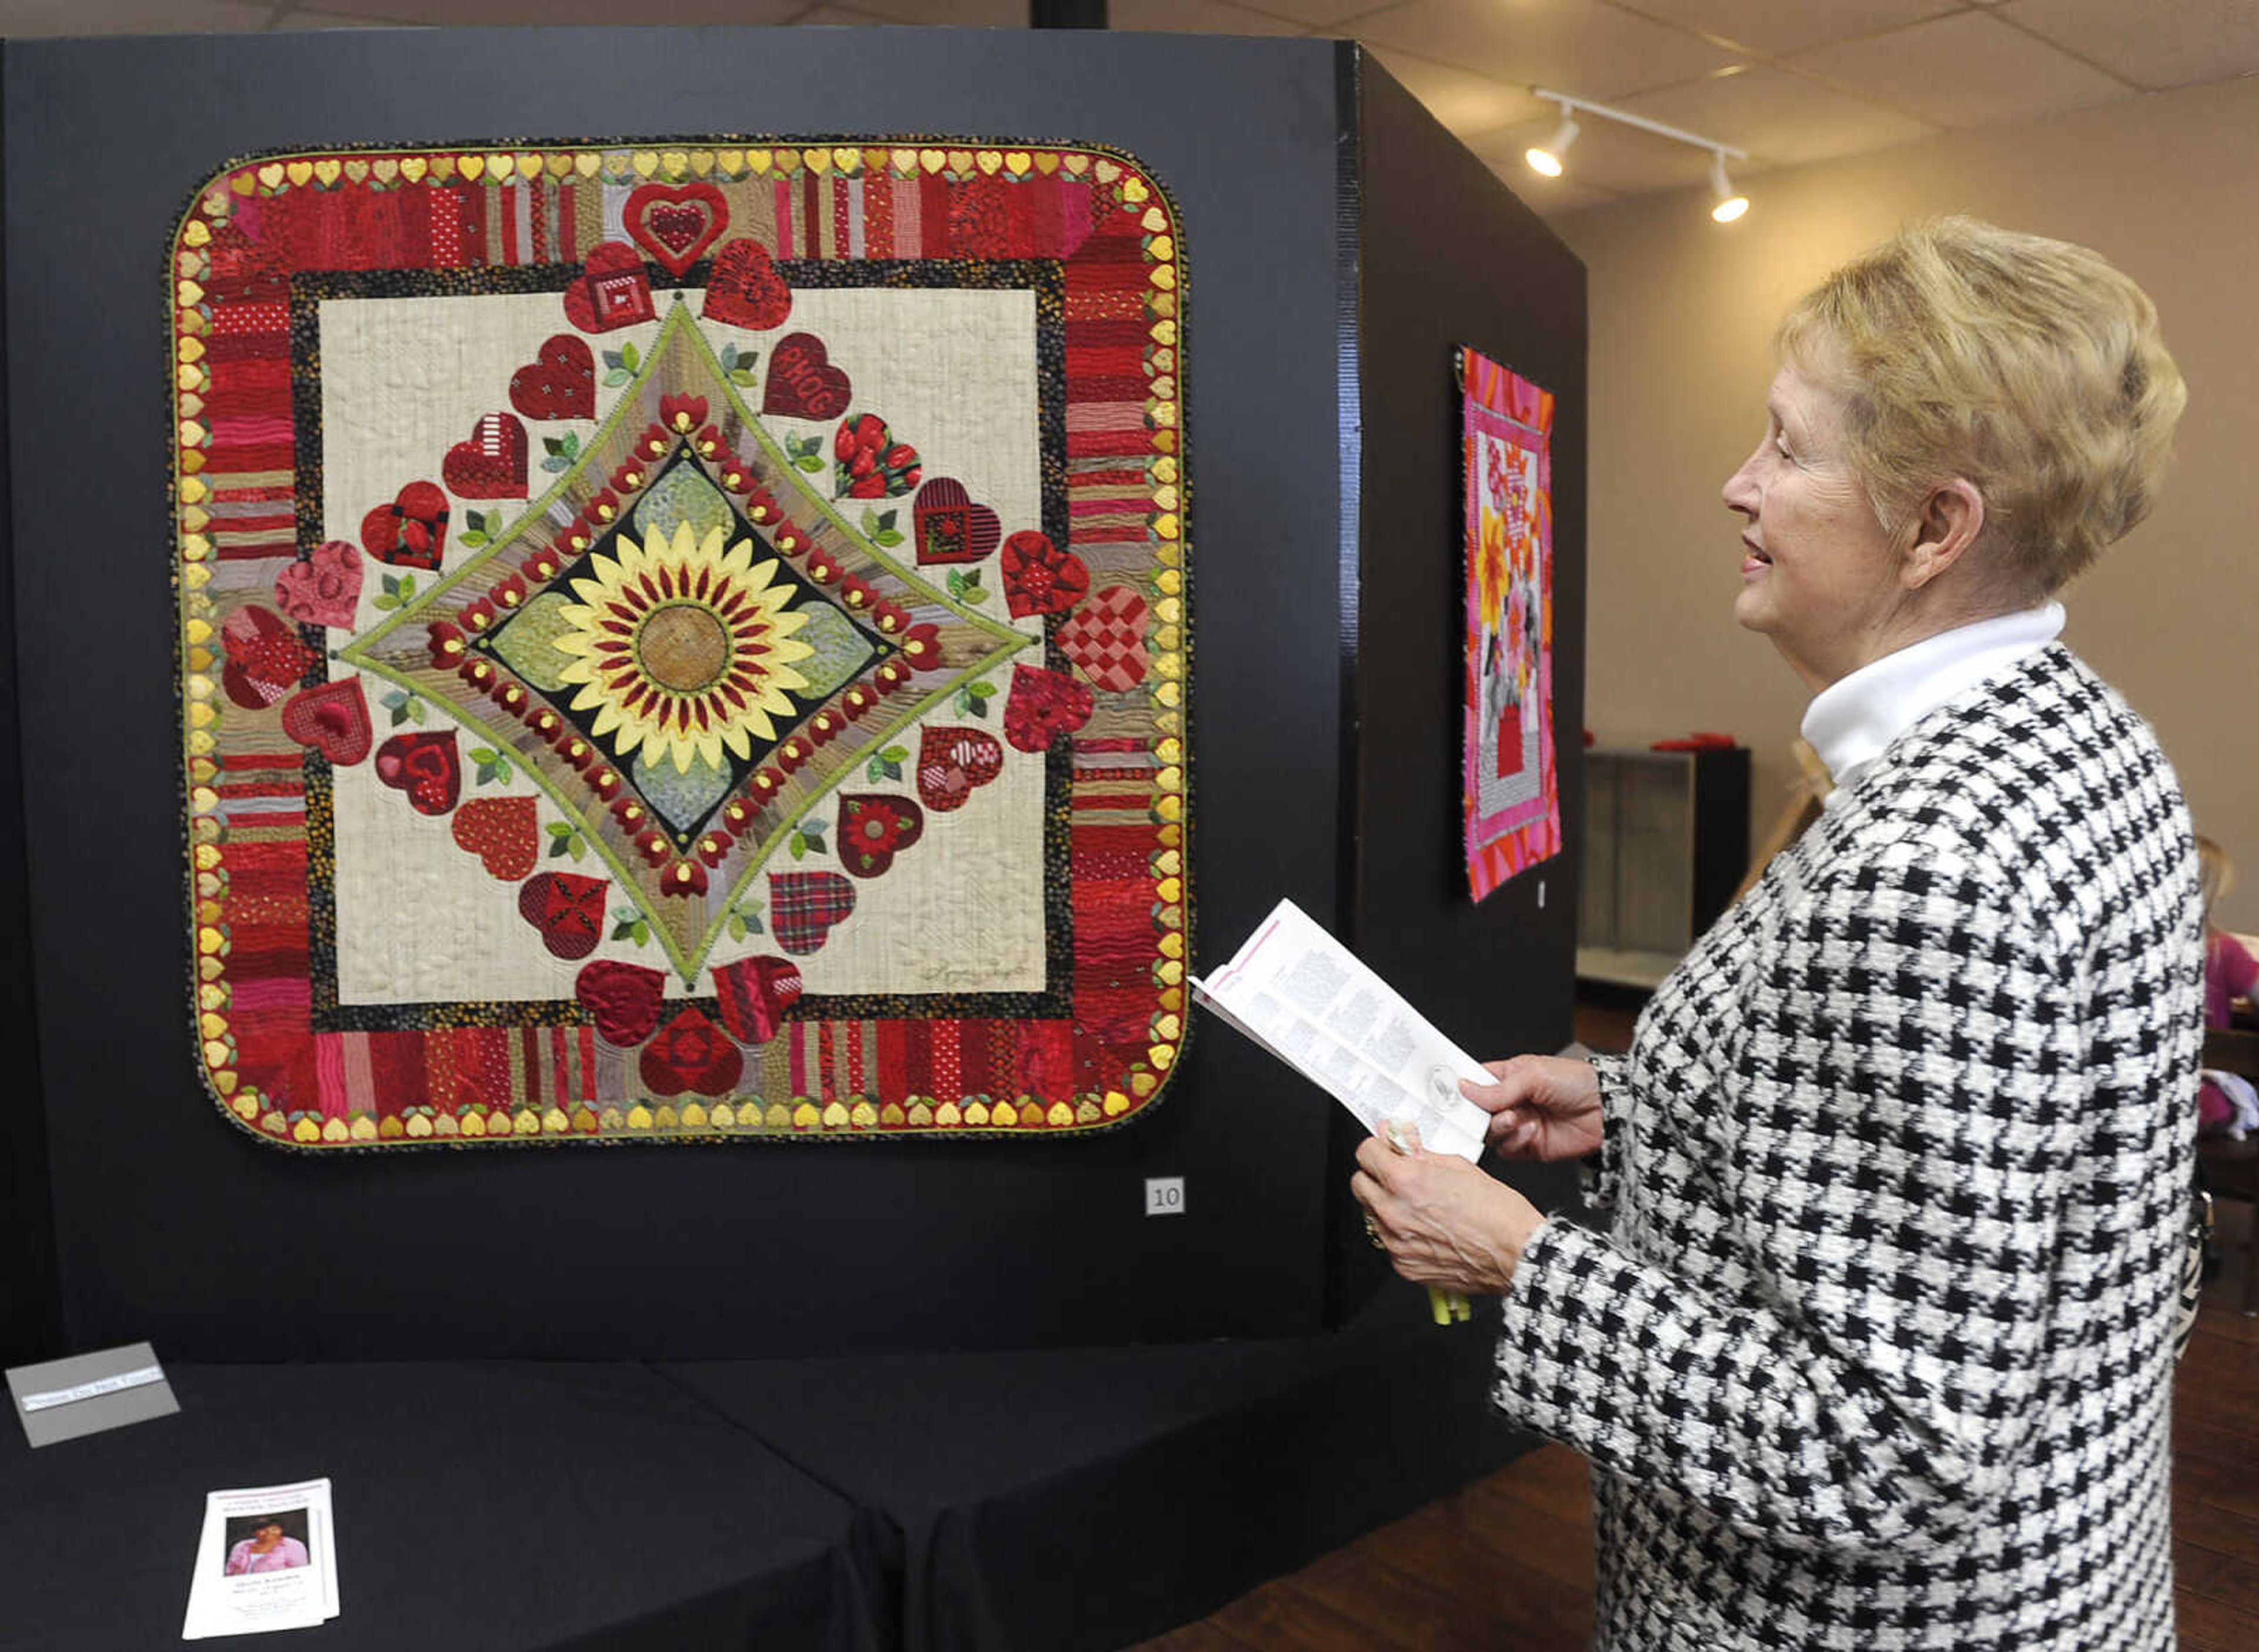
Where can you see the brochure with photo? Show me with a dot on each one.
(267, 1559)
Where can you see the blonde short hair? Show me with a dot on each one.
(2032, 368)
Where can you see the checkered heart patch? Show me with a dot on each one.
(1105, 640)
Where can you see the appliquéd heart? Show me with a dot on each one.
(1043, 706)
(676, 223)
(612, 291)
(1105, 640)
(558, 384)
(952, 762)
(805, 906)
(332, 718)
(503, 832)
(624, 998)
(492, 464)
(868, 463)
(874, 827)
(803, 383)
(753, 994)
(568, 909)
(265, 657)
(1039, 577)
(949, 526)
(324, 589)
(426, 766)
(411, 531)
(691, 1053)
(743, 288)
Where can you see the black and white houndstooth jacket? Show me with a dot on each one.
(1877, 1351)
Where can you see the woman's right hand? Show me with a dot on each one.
(1541, 1107)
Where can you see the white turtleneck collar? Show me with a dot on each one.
(1849, 722)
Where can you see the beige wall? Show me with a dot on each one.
(1682, 312)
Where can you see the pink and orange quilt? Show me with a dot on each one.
(684, 641)
(1510, 796)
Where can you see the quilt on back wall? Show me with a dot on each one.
(682, 641)
(1510, 794)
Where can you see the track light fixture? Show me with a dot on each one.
(1729, 203)
(1546, 158)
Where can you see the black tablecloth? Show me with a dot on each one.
(486, 1507)
(1081, 1500)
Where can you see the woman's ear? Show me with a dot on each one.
(1947, 523)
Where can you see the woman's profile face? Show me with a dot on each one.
(1819, 575)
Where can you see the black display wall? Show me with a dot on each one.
(170, 1224)
(1449, 257)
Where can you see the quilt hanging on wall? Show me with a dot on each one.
(685, 641)
(1510, 792)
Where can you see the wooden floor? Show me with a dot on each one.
(1509, 1562)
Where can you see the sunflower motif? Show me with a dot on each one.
(681, 647)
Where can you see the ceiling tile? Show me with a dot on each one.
(953, 14)
(1779, 116)
(512, 13)
(131, 16)
(1193, 17)
(2184, 44)
(1781, 26)
(330, 20)
(1966, 70)
(1320, 14)
(1467, 103)
(1580, 46)
(1550, 197)
(1606, 153)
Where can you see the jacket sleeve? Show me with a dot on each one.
(1597, 1170)
(1829, 1322)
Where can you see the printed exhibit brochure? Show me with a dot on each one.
(268, 1560)
(1306, 999)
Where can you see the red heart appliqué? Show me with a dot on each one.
(1039, 577)
(691, 1053)
(1043, 706)
(492, 464)
(873, 827)
(754, 994)
(953, 761)
(676, 223)
(743, 288)
(611, 291)
(411, 531)
(332, 718)
(868, 463)
(423, 766)
(949, 526)
(803, 907)
(568, 909)
(558, 384)
(624, 998)
(503, 832)
(265, 657)
(324, 589)
(803, 383)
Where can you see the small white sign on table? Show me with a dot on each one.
(63, 1398)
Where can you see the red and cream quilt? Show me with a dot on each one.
(684, 641)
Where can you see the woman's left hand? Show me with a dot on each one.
(1442, 1222)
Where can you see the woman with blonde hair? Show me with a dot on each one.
(1877, 1351)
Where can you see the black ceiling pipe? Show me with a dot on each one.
(1066, 14)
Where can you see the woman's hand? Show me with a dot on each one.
(1442, 1222)
(1544, 1107)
